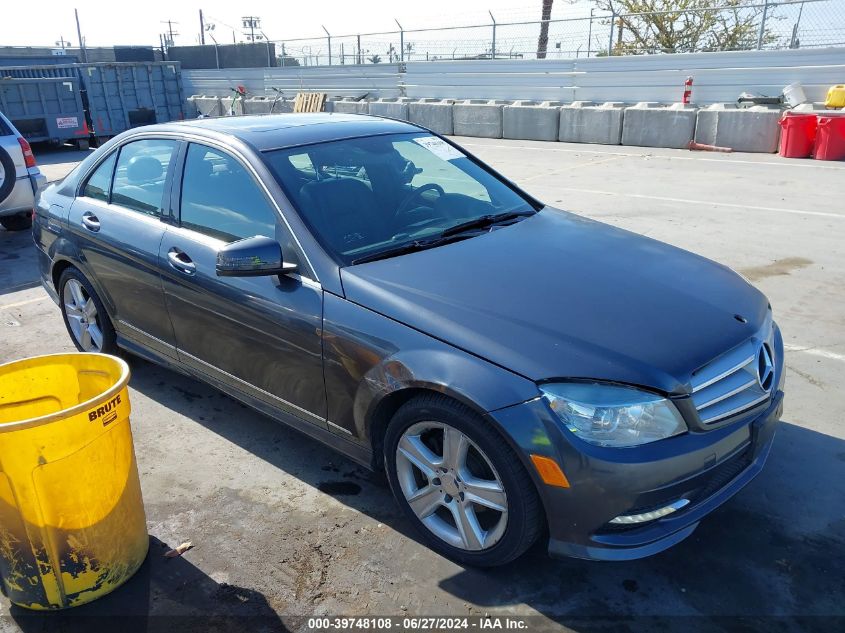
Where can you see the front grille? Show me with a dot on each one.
(732, 383)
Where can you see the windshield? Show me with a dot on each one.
(364, 196)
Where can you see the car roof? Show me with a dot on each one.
(278, 131)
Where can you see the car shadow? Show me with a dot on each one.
(18, 261)
(769, 559)
(166, 594)
(284, 448)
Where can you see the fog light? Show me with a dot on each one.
(627, 519)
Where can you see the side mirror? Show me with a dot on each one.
(252, 257)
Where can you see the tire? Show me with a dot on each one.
(17, 222)
(9, 174)
(73, 280)
(426, 420)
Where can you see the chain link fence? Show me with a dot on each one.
(730, 25)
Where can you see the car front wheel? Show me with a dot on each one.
(459, 483)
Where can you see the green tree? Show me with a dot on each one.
(682, 26)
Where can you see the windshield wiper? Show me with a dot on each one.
(452, 234)
(484, 221)
(408, 247)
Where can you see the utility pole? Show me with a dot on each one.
(81, 41)
(251, 22)
(202, 29)
(171, 33)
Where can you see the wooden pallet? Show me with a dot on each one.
(309, 102)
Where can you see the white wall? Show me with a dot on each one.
(718, 77)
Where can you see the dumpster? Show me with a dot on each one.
(45, 109)
(798, 135)
(72, 524)
(119, 95)
(125, 95)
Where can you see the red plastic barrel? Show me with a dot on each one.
(798, 135)
(830, 139)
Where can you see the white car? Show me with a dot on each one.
(20, 178)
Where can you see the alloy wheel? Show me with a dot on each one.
(82, 317)
(451, 486)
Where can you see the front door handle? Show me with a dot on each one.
(180, 261)
(90, 221)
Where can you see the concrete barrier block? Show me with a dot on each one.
(434, 114)
(478, 117)
(257, 105)
(816, 108)
(394, 108)
(232, 106)
(650, 125)
(585, 122)
(207, 105)
(753, 129)
(530, 120)
(281, 106)
(352, 106)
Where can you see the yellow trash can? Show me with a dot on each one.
(72, 524)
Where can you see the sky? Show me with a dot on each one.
(105, 23)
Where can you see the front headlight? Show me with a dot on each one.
(612, 415)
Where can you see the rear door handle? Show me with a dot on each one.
(90, 221)
(180, 261)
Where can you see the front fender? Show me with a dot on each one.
(368, 357)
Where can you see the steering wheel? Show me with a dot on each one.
(416, 193)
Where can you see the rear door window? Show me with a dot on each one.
(141, 174)
(99, 184)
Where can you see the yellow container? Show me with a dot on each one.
(72, 524)
(835, 97)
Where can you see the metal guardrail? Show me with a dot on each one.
(719, 77)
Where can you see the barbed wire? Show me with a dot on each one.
(775, 24)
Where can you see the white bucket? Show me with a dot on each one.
(794, 94)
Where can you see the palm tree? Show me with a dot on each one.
(543, 42)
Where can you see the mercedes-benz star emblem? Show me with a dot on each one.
(765, 367)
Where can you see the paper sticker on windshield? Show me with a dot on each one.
(439, 148)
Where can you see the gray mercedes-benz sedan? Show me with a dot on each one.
(519, 372)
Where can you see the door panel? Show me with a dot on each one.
(258, 334)
(261, 335)
(121, 246)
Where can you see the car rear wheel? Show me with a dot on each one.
(17, 222)
(459, 483)
(85, 317)
(7, 175)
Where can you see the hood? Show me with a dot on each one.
(559, 296)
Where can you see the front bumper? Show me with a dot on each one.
(706, 468)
